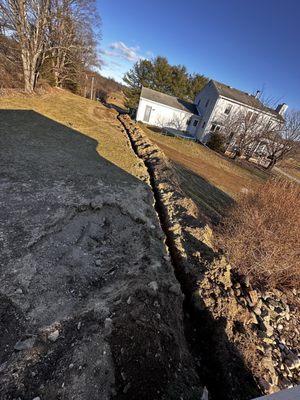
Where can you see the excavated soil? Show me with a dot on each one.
(90, 307)
(244, 340)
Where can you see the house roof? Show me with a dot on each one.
(243, 97)
(168, 100)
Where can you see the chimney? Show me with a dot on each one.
(281, 108)
(257, 94)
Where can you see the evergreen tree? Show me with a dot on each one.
(140, 75)
(159, 75)
(197, 82)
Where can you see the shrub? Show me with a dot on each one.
(216, 142)
(261, 234)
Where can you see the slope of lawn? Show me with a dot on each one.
(86, 116)
(212, 180)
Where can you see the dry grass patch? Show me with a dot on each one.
(261, 235)
(86, 116)
(223, 173)
(212, 181)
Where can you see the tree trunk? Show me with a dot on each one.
(27, 69)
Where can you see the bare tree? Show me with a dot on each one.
(26, 20)
(281, 143)
(73, 33)
(178, 122)
(245, 129)
(56, 38)
(10, 63)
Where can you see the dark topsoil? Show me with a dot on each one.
(87, 288)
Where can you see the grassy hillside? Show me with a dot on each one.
(86, 116)
(211, 180)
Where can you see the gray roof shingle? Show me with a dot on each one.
(168, 100)
(243, 97)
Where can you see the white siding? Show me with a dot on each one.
(163, 116)
(207, 94)
(219, 115)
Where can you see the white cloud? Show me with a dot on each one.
(118, 59)
(119, 49)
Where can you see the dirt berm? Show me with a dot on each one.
(89, 304)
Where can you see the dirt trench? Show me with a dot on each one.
(220, 366)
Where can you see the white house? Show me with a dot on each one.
(159, 109)
(212, 105)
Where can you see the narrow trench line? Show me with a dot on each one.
(217, 366)
(191, 327)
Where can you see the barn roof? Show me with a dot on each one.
(168, 100)
(243, 97)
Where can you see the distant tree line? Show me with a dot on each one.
(52, 40)
(160, 75)
(96, 86)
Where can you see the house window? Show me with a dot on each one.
(207, 103)
(228, 109)
(195, 123)
(215, 128)
(203, 125)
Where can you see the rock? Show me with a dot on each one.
(269, 330)
(264, 384)
(292, 361)
(98, 263)
(26, 343)
(19, 291)
(153, 285)
(280, 327)
(126, 388)
(53, 336)
(257, 311)
(204, 394)
(254, 318)
(175, 289)
(37, 398)
(3, 366)
(247, 281)
(264, 312)
(108, 326)
(253, 297)
(268, 340)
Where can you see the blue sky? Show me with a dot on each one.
(249, 45)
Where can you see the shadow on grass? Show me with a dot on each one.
(213, 202)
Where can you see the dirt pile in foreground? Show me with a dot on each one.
(245, 342)
(90, 307)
